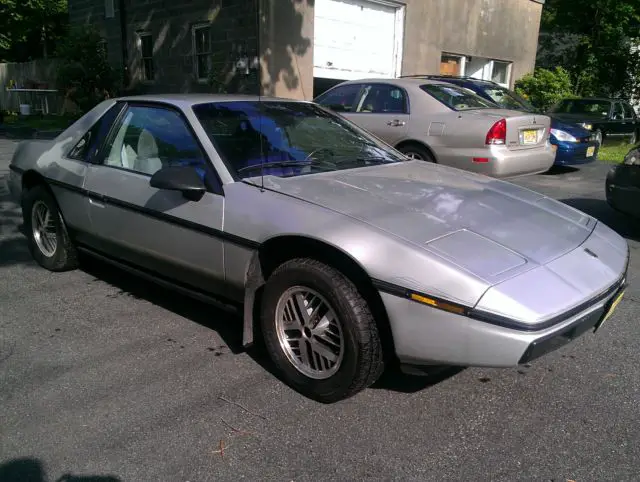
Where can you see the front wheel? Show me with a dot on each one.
(319, 331)
(599, 137)
(47, 235)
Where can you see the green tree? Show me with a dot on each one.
(545, 88)
(594, 41)
(29, 29)
(84, 73)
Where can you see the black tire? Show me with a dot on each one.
(362, 361)
(417, 151)
(65, 256)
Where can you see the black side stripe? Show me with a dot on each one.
(16, 169)
(215, 233)
(503, 321)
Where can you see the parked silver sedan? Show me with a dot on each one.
(440, 122)
(347, 255)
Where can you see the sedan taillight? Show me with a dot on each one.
(497, 135)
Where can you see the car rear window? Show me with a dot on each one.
(457, 98)
(583, 106)
(507, 99)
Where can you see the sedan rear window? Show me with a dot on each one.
(507, 99)
(457, 98)
(286, 138)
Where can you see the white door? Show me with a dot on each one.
(357, 39)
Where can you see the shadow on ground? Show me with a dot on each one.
(396, 381)
(32, 470)
(624, 225)
(558, 170)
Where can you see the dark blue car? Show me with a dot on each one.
(574, 144)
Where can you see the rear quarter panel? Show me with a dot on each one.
(64, 176)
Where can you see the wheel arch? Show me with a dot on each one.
(280, 249)
(409, 142)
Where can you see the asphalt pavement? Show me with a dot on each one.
(106, 378)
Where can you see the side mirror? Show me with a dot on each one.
(180, 178)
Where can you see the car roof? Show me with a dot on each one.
(399, 81)
(182, 100)
(599, 99)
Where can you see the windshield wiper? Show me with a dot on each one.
(278, 164)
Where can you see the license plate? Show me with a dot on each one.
(590, 151)
(612, 308)
(529, 137)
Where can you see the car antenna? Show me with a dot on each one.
(258, 18)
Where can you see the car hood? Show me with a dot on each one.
(576, 118)
(423, 203)
(572, 128)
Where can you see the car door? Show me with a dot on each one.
(158, 230)
(629, 124)
(383, 110)
(616, 125)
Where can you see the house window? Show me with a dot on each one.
(109, 9)
(146, 53)
(451, 64)
(500, 74)
(202, 50)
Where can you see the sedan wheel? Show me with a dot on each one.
(319, 331)
(599, 137)
(309, 332)
(47, 234)
(417, 152)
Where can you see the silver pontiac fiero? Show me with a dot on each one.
(343, 255)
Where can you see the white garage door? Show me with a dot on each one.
(357, 38)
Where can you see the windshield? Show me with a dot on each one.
(507, 99)
(457, 98)
(599, 108)
(287, 138)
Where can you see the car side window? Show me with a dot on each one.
(383, 99)
(150, 138)
(629, 113)
(340, 99)
(88, 146)
(618, 113)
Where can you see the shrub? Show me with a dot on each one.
(84, 73)
(545, 88)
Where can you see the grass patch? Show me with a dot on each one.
(613, 152)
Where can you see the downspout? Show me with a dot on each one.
(123, 39)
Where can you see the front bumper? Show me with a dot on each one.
(427, 336)
(570, 154)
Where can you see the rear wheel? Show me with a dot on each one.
(319, 331)
(47, 235)
(416, 151)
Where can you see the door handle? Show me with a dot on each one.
(396, 123)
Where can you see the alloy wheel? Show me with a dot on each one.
(44, 229)
(309, 332)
